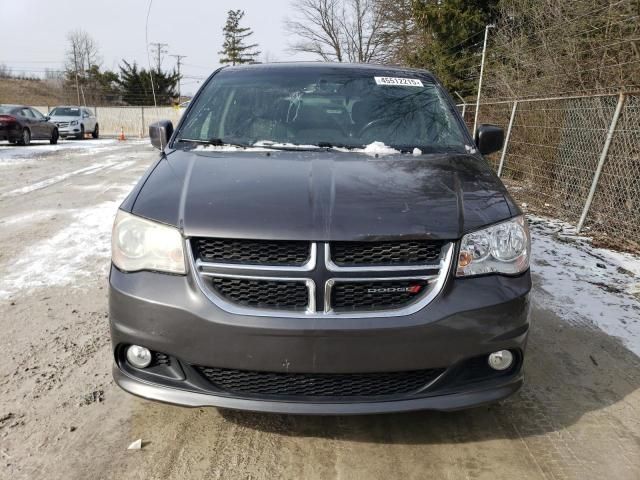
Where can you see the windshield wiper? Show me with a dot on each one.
(214, 142)
(331, 145)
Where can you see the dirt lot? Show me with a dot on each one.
(61, 416)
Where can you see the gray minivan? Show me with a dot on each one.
(320, 238)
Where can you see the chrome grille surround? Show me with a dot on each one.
(320, 277)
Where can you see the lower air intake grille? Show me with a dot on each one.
(385, 253)
(252, 252)
(284, 295)
(319, 384)
(376, 295)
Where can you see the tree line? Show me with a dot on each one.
(535, 47)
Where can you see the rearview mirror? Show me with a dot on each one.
(489, 138)
(160, 133)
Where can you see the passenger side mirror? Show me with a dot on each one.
(160, 133)
(489, 138)
(47, 118)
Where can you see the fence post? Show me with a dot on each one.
(464, 109)
(142, 116)
(506, 140)
(603, 158)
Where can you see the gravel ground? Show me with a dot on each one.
(61, 416)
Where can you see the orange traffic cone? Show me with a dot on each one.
(121, 137)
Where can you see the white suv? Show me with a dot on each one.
(75, 122)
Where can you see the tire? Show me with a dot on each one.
(96, 131)
(26, 137)
(81, 134)
(54, 137)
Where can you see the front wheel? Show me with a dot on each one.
(26, 137)
(81, 134)
(54, 137)
(96, 132)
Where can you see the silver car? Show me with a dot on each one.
(75, 122)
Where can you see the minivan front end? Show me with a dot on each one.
(299, 271)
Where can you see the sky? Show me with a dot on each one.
(190, 27)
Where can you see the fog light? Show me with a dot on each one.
(500, 360)
(138, 356)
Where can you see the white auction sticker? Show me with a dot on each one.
(409, 82)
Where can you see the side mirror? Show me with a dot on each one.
(47, 118)
(489, 138)
(160, 133)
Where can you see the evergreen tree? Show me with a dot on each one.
(234, 50)
(451, 34)
(135, 85)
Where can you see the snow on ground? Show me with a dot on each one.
(67, 256)
(586, 285)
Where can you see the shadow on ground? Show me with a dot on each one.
(570, 370)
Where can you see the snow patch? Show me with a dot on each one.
(417, 152)
(66, 256)
(56, 179)
(377, 148)
(586, 285)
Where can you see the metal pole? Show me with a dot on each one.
(506, 140)
(484, 51)
(142, 116)
(464, 109)
(603, 157)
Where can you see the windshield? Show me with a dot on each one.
(323, 107)
(65, 112)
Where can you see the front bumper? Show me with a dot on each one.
(170, 314)
(68, 131)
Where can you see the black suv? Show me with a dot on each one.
(320, 238)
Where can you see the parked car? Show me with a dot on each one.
(20, 124)
(320, 239)
(75, 122)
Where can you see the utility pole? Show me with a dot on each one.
(178, 61)
(484, 51)
(75, 66)
(160, 50)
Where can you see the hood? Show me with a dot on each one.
(322, 195)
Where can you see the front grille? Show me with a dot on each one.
(284, 295)
(375, 295)
(318, 384)
(63, 124)
(252, 252)
(385, 253)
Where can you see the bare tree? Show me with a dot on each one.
(82, 55)
(334, 30)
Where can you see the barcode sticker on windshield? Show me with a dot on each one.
(410, 82)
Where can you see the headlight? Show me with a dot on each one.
(74, 122)
(140, 244)
(502, 248)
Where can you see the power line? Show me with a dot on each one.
(178, 60)
(160, 50)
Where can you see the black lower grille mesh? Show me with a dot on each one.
(254, 252)
(353, 296)
(284, 295)
(318, 384)
(385, 253)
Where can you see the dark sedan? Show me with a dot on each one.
(20, 124)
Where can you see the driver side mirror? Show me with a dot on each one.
(160, 133)
(47, 118)
(489, 138)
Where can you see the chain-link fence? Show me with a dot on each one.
(133, 121)
(574, 158)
